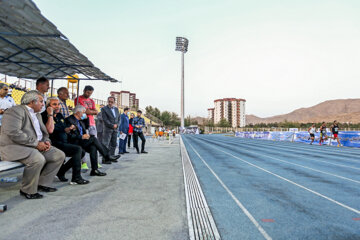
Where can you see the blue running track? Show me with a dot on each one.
(258, 189)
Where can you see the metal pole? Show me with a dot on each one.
(52, 87)
(182, 91)
(78, 86)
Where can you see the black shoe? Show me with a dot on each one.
(62, 178)
(115, 157)
(31, 196)
(144, 152)
(46, 189)
(126, 152)
(79, 181)
(97, 173)
(106, 161)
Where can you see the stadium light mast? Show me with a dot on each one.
(182, 46)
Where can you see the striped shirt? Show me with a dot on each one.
(64, 109)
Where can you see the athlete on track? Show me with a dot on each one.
(335, 131)
(312, 131)
(323, 136)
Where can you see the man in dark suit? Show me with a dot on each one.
(56, 127)
(90, 144)
(111, 118)
(124, 129)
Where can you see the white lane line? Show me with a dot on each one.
(247, 213)
(294, 183)
(299, 165)
(315, 148)
(289, 151)
(295, 164)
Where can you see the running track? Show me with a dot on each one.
(258, 189)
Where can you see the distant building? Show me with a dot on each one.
(231, 109)
(125, 99)
(211, 112)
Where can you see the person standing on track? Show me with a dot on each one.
(323, 135)
(335, 131)
(312, 131)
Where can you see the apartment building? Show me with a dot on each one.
(231, 109)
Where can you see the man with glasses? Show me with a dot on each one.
(5, 100)
(111, 118)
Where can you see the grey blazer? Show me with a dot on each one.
(109, 119)
(99, 123)
(18, 137)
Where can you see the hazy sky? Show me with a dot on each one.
(277, 54)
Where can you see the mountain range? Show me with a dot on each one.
(342, 110)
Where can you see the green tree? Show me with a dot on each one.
(223, 123)
(166, 118)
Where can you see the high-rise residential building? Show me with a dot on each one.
(230, 109)
(125, 99)
(211, 112)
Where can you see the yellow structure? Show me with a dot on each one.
(72, 83)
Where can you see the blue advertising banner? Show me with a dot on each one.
(347, 139)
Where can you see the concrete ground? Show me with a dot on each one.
(142, 197)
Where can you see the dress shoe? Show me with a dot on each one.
(79, 181)
(46, 189)
(115, 157)
(31, 196)
(97, 173)
(144, 152)
(106, 161)
(62, 178)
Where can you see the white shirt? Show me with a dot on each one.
(38, 131)
(113, 111)
(5, 103)
(312, 130)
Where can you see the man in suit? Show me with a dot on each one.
(111, 118)
(90, 144)
(24, 138)
(124, 129)
(56, 127)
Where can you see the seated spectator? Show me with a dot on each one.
(90, 144)
(55, 124)
(63, 95)
(24, 138)
(6, 101)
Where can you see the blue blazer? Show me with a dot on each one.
(124, 123)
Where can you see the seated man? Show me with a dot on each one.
(55, 125)
(24, 138)
(90, 144)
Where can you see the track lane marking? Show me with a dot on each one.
(299, 165)
(295, 153)
(294, 183)
(242, 207)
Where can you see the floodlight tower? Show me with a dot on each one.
(182, 46)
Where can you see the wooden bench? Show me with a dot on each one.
(7, 166)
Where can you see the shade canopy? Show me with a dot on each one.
(32, 47)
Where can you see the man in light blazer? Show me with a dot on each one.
(24, 138)
(111, 118)
(124, 129)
